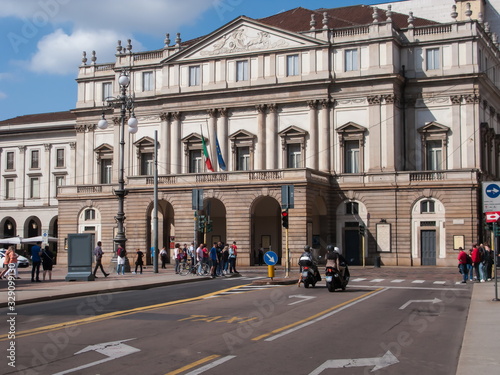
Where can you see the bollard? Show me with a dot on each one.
(377, 262)
(270, 271)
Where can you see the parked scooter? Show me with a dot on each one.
(334, 279)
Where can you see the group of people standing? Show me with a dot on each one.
(477, 265)
(39, 257)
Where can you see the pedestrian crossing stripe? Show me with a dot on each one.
(243, 289)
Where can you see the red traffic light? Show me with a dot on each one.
(284, 213)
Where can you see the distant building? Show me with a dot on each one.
(385, 124)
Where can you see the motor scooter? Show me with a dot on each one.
(334, 279)
(309, 274)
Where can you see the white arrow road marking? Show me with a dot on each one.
(379, 362)
(112, 350)
(303, 298)
(435, 300)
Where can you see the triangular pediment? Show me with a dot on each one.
(433, 128)
(292, 131)
(351, 128)
(242, 134)
(104, 148)
(144, 141)
(242, 36)
(193, 138)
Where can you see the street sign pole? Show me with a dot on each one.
(497, 241)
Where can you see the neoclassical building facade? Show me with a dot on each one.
(384, 123)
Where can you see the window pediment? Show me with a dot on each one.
(293, 132)
(433, 127)
(193, 138)
(351, 128)
(241, 135)
(104, 149)
(144, 142)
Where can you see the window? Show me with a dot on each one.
(292, 65)
(9, 188)
(106, 165)
(107, 90)
(147, 81)
(60, 181)
(241, 71)
(294, 155)
(10, 160)
(195, 161)
(351, 60)
(34, 187)
(194, 75)
(147, 164)
(351, 208)
(432, 58)
(35, 159)
(434, 155)
(60, 157)
(351, 157)
(89, 214)
(427, 207)
(243, 159)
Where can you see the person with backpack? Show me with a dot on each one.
(122, 254)
(233, 254)
(139, 261)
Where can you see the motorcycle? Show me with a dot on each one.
(334, 279)
(309, 275)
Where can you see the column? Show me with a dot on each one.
(324, 139)
(375, 142)
(175, 154)
(79, 156)
(311, 161)
(164, 162)
(46, 181)
(271, 138)
(261, 136)
(212, 131)
(222, 133)
(72, 164)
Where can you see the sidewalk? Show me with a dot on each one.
(480, 353)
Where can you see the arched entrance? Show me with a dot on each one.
(166, 228)
(215, 219)
(350, 215)
(266, 228)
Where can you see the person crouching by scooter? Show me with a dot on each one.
(306, 259)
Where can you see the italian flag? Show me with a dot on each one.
(205, 153)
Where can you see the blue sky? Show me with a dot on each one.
(42, 40)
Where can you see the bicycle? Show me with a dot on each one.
(188, 268)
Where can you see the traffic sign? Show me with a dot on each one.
(271, 258)
(492, 217)
(491, 196)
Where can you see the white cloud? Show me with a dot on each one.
(61, 53)
(147, 16)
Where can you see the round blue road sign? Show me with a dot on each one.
(271, 258)
(492, 190)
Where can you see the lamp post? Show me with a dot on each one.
(126, 103)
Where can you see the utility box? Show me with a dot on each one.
(80, 248)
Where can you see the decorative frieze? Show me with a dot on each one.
(472, 98)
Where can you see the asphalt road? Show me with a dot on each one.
(225, 326)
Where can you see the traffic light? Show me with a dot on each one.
(362, 230)
(209, 226)
(284, 219)
(201, 223)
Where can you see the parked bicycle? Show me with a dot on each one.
(192, 269)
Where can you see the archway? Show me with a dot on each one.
(166, 229)
(266, 231)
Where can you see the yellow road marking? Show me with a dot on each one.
(111, 315)
(194, 364)
(313, 316)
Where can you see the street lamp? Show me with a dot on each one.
(126, 103)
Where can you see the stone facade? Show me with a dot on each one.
(384, 123)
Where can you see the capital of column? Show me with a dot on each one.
(165, 116)
(177, 116)
(313, 104)
(223, 112)
(47, 146)
(261, 108)
(212, 112)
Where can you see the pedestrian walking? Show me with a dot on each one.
(98, 253)
(470, 268)
(10, 263)
(213, 260)
(462, 264)
(121, 260)
(47, 262)
(163, 257)
(138, 260)
(36, 251)
(199, 257)
(476, 262)
(233, 254)
(177, 250)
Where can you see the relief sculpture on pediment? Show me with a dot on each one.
(240, 40)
